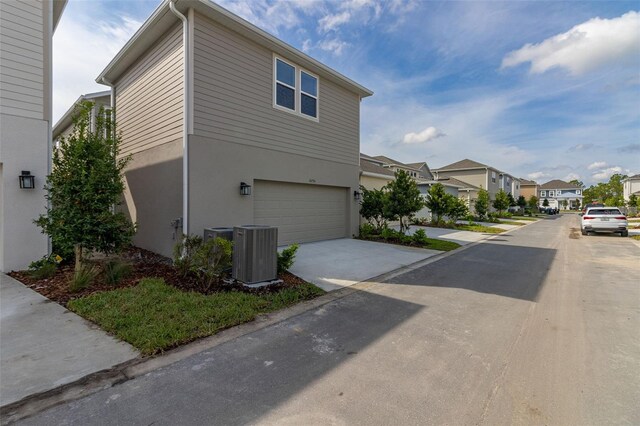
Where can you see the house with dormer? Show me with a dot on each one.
(560, 194)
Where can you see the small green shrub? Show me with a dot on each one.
(367, 230)
(388, 233)
(45, 267)
(204, 260)
(420, 237)
(287, 257)
(115, 271)
(492, 218)
(420, 221)
(83, 277)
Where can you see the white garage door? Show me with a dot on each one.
(301, 212)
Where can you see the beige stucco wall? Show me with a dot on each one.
(528, 191)
(371, 182)
(217, 168)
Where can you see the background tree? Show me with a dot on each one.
(545, 203)
(609, 193)
(481, 205)
(633, 201)
(577, 182)
(533, 202)
(564, 204)
(578, 203)
(512, 201)
(501, 203)
(373, 206)
(85, 183)
(456, 208)
(404, 199)
(437, 202)
(522, 202)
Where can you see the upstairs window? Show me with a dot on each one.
(543, 193)
(493, 177)
(578, 192)
(295, 90)
(551, 194)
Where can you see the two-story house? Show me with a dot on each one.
(631, 186)
(477, 174)
(228, 125)
(528, 188)
(64, 126)
(373, 173)
(26, 31)
(560, 194)
(415, 170)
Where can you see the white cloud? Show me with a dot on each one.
(597, 165)
(426, 135)
(82, 49)
(335, 46)
(538, 175)
(605, 174)
(333, 21)
(581, 147)
(592, 44)
(306, 45)
(571, 176)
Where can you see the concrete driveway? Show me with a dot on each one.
(45, 346)
(341, 263)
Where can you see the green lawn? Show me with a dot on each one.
(442, 245)
(509, 222)
(480, 228)
(154, 316)
(532, 219)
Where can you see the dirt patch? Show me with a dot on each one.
(574, 233)
(145, 264)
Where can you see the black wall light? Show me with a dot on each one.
(357, 195)
(27, 180)
(245, 189)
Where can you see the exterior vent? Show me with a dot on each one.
(255, 253)
(213, 233)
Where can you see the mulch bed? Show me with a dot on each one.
(145, 264)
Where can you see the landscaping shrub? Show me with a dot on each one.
(204, 260)
(115, 271)
(456, 208)
(420, 221)
(388, 233)
(286, 258)
(404, 199)
(45, 267)
(420, 237)
(438, 202)
(83, 277)
(482, 203)
(374, 207)
(367, 230)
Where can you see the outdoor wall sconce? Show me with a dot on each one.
(245, 189)
(357, 195)
(27, 180)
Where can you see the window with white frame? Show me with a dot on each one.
(558, 192)
(543, 193)
(295, 90)
(578, 192)
(551, 193)
(493, 177)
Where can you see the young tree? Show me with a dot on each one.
(545, 203)
(85, 183)
(501, 203)
(437, 202)
(372, 206)
(404, 199)
(633, 200)
(481, 205)
(512, 201)
(522, 202)
(564, 204)
(533, 202)
(577, 203)
(456, 208)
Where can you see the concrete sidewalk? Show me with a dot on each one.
(44, 346)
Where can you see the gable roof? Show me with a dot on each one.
(162, 19)
(67, 119)
(559, 184)
(371, 167)
(634, 177)
(458, 182)
(370, 158)
(392, 162)
(417, 165)
(527, 182)
(464, 164)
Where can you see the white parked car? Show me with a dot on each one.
(604, 219)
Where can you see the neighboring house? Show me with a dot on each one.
(476, 174)
(510, 184)
(26, 31)
(450, 188)
(227, 125)
(415, 170)
(373, 174)
(557, 191)
(631, 185)
(528, 188)
(64, 126)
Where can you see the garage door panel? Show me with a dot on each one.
(301, 212)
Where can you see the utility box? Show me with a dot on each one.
(255, 253)
(213, 233)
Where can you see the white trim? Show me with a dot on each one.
(297, 101)
(543, 193)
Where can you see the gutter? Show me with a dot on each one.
(187, 116)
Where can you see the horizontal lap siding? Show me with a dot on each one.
(233, 101)
(22, 54)
(149, 96)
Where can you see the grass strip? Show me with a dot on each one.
(154, 316)
(442, 245)
(480, 228)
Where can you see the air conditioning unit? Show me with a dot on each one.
(255, 253)
(213, 233)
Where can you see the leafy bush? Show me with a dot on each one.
(367, 230)
(45, 267)
(388, 233)
(286, 258)
(420, 237)
(456, 208)
(482, 203)
(493, 218)
(83, 277)
(204, 260)
(438, 202)
(115, 271)
(420, 221)
(374, 207)
(502, 201)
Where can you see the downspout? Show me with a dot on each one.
(50, 106)
(112, 103)
(187, 115)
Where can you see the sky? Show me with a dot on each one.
(540, 90)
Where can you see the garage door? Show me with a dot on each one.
(301, 212)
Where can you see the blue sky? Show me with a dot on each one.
(541, 90)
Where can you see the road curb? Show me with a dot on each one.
(95, 382)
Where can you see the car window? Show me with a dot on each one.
(599, 212)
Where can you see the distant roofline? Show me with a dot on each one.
(66, 120)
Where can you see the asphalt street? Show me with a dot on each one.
(536, 326)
